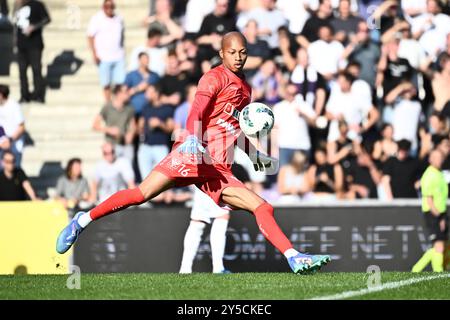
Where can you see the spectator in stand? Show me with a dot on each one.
(439, 128)
(412, 9)
(292, 117)
(196, 11)
(325, 179)
(287, 40)
(5, 144)
(163, 22)
(14, 183)
(106, 41)
(155, 128)
(137, 82)
(343, 150)
(292, 181)
(387, 14)
(325, 54)
(156, 53)
(269, 20)
(345, 25)
(72, 189)
(187, 55)
(438, 131)
(360, 87)
(12, 125)
(257, 50)
(116, 120)
(392, 69)
(409, 48)
(363, 177)
(266, 83)
(111, 174)
(405, 107)
(401, 174)
(442, 55)
(173, 83)
(213, 27)
(440, 81)
(296, 12)
(30, 20)
(363, 50)
(321, 18)
(386, 147)
(311, 85)
(362, 92)
(353, 107)
(431, 28)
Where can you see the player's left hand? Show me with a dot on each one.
(191, 146)
(263, 162)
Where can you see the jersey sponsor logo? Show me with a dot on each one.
(227, 126)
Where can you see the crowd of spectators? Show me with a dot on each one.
(359, 88)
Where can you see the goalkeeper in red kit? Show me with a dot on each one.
(203, 156)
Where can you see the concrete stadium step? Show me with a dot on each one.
(34, 169)
(55, 125)
(55, 154)
(74, 136)
(71, 18)
(78, 39)
(46, 110)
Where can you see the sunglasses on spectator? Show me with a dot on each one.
(106, 153)
(8, 160)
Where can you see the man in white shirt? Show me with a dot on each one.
(413, 8)
(269, 19)
(431, 28)
(12, 125)
(106, 41)
(292, 117)
(158, 55)
(325, 54)
(295, 12)
(111, 174)
(406, 113)
(348, 103)
(196, 11)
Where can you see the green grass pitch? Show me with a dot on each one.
(199, 286)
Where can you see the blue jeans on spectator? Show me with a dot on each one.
(149, 156)
(286, 155)
(112, 72)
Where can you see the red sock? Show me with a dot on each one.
(270, 229)
(118, 201)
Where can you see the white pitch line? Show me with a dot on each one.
(386, 286)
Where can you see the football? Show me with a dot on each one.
(256, 120)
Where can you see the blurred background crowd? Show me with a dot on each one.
(360, 90)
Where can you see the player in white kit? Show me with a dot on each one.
(203, 211)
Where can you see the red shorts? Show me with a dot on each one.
(184, 171)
